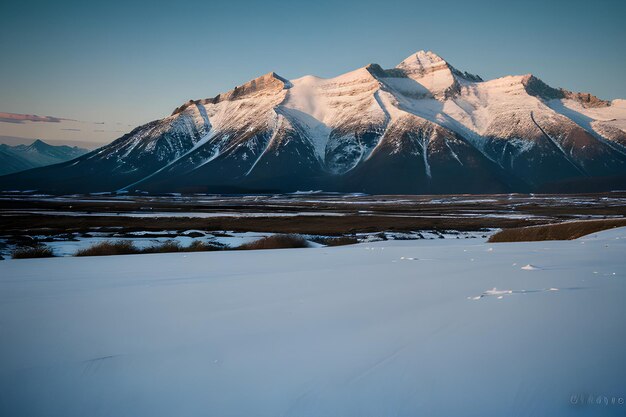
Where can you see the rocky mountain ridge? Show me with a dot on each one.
(37, 154)
(421, 127)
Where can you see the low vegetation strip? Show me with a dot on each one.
(128, 247)
(337, 241)
(38, 224)
(173, 246)
(277, 242)
(119, 247)
(560, 231)
(40, 251)
(122, 247)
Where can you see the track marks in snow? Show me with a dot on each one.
(381, 362)
(92, 366)
(500, 294)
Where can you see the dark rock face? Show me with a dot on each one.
(536, 87)
(586, 99)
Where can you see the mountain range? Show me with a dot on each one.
(37, 154)
(421, 127)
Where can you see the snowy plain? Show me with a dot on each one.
(440, 327)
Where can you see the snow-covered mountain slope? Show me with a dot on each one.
(37, 154)
(394, 328)
(421, 127)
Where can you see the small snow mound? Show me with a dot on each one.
(530, 267)
(495, 291)
(499, 294)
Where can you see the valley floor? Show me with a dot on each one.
(67, 223)
(444, 327)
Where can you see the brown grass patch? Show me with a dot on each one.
(309, 225)
(277, 242)
(41, 251)
(199, 246)
(173, 246)
(560, 231)
(120, 247)
(165, 247)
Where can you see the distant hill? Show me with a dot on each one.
(37, 154)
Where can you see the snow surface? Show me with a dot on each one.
(615, 114)
(345, 331)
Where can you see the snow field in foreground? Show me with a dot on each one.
(397, 328)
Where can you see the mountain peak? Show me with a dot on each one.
(39, 144)
(376, 70)
(422, 61)
(266, 83)
(536, 87)
(435, 73)
(285, 81)
(432, 72)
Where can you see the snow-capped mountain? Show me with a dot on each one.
(421, 127)
(37, 154)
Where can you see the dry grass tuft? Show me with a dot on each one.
(40, 251)
(128, 248)
(173, 246)
(559, 231)
(277, 242)
(199, 246)
(165, 247)
(120, 247)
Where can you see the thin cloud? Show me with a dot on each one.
(22, 118)
(18, 118)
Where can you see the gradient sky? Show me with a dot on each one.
(126, 63)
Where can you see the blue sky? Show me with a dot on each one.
(134, 61)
